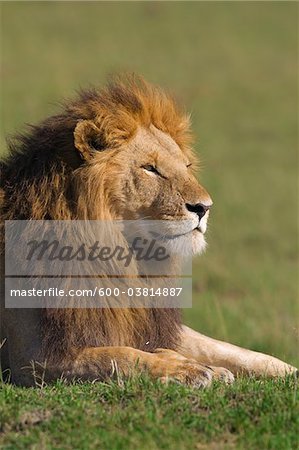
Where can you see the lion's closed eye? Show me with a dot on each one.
(151, 168)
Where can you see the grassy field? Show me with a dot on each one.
(234, 66)
(145, 415)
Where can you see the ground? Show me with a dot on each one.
(145, 415)
(233, 65)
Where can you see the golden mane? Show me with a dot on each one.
(129, 102)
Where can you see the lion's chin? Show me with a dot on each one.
(198, 242)
(188, 245)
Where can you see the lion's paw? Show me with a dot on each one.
(171, 366)
(222, 374)
(190, 375)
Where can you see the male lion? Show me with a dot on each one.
(117, 153)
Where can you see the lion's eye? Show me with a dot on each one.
(189, 165)
(150, 168)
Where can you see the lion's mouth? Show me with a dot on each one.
(160, 236)
(167, 237)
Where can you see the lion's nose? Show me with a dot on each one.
(199, 208)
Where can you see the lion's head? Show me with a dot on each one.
(136, 146)
(123, 152)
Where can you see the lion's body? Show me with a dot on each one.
(91, 163)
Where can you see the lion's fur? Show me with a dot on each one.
(46, 177)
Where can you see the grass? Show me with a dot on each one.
(234, 66)
(144, 415)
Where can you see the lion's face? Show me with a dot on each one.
(151, 178)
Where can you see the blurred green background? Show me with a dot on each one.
(234, 66)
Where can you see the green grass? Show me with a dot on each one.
(234, 66)
(145, 415)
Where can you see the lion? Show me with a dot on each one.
(121, 152)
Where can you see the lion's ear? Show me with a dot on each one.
(88, 139)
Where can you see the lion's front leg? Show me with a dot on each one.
(238, 360)
(103, 363)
